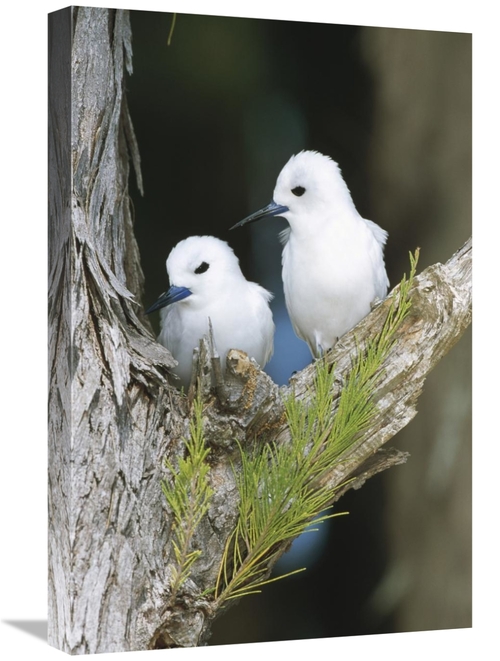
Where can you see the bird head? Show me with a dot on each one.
(199, 269)
(308, 189)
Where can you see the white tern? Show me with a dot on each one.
(206, 283)
(332, 262)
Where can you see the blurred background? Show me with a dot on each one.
(217, 114)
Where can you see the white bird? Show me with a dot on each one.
(332, 262)
(207, 284)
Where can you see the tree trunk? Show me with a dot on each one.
(113, 416)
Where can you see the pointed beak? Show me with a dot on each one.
(173, 295)
(272, 209)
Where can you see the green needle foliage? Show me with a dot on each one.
(188, 495)
(281, 488)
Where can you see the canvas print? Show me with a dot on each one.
(259, 271)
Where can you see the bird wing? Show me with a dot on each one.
(381, 280)
(171, 329)
(284, 235)
(377, 231)
(263, 312)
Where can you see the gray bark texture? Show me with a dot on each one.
(113, 416)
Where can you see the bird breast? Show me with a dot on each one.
(329, 285)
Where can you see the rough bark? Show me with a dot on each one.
(114, 417)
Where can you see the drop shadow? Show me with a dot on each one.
(37, 628)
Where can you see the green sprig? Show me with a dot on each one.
(188, 495)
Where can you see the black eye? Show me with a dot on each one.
(202, 268)
(298, 190)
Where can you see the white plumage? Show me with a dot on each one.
(207, 283)
(333, 262)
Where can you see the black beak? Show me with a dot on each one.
(173, 295)
(272, 209)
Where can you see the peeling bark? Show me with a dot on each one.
(113, 415)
